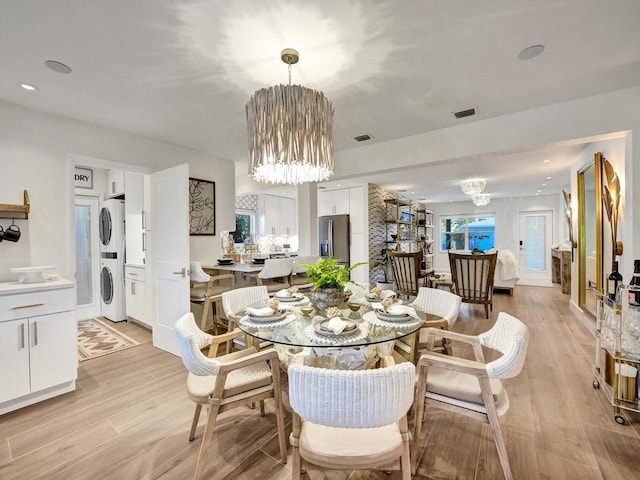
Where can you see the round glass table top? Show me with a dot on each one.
(358, 324)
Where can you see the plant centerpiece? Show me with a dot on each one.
(329, 279)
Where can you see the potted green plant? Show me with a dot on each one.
(329, 279)
(387, 282)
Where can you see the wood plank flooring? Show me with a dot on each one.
(129, 418)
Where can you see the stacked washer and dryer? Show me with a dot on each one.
(111, 226)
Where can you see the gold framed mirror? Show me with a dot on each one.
(590, 234)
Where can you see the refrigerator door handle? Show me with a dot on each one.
(330, 235)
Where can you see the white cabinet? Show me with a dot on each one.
(287, 216)
(333, 202)
(115, 183)
(38, 343)
(135, 218)
(135, 293)
(276, 215)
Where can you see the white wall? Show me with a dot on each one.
(506, 211)
(34, 152)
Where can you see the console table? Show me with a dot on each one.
(561, 268)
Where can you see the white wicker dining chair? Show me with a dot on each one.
(351, 419)
(299, 278)
(235, 301)
(473, 388)
(443, 304)
(226, 382)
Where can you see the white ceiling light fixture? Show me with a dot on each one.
(473, 186)
(481, 200)
(28, 86)
(290, 131)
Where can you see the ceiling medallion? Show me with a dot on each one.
(473, 186)
(290, 130)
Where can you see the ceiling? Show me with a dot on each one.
(182, 71)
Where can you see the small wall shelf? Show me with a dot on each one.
(8, 210)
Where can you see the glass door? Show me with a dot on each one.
(87, 257)
(535, 247)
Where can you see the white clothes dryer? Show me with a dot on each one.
(111, 226)
(112, 287)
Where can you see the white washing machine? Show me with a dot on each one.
(112, 287)
(111, 226)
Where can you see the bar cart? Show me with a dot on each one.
(617, 356)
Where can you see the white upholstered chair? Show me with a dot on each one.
(441, 303)
(299, 277)
(276, 274)
(351, 419)
(473, 387)
(226, 382)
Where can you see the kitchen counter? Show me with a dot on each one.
(10, 288)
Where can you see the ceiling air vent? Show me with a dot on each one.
(465, 113)
(363, 138)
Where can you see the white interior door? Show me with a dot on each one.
(536, 233)
(87, 258)
(169, 253)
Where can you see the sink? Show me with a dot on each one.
(31, 274)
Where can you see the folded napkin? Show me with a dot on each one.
(284, 293)
(259, 312)
(398, 310)
(388, 293)
(337, 325)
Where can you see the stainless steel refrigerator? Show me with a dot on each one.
(335, 238)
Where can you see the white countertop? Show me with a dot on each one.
(10, 288)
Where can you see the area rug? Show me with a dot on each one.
(535, 283)
(96, 338)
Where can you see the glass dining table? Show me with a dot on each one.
(367, 335)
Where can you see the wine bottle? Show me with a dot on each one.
(634, 285)
(615, 279)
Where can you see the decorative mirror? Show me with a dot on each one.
(590, 234)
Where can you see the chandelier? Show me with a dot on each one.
(481, 200)
(473, 186)
(290, 131)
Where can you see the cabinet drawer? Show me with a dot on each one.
(134, 273)
(32, 304)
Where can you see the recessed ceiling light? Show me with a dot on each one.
(545, 161)
(28, 86)
(339, 184)
(531, 52)
(284, 193)
(544, 184)
(58, 66)
(413, 193)
(538, 191)
(548, 178)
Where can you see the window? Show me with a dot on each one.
(245, 226)
(467, 232)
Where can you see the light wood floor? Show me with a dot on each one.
(130, 415)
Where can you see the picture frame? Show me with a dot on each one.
(82, 177)
(202, 207)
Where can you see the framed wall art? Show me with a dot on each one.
(202, 207)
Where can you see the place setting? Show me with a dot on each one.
(390, 312)
(291, 297)
(225, 261)
(335, 329)
(266, 313)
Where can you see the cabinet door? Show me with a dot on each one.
(136, 299)
(325, 204)
(133, 210)
(53, 341)
(115, 183)
(271, 215)
(14, 359)
(341, 202)
(287, 216)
